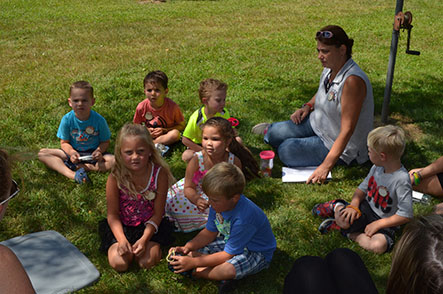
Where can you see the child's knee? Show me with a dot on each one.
(187, 155)
(45, 153)
(120, 265)
(379, 245)
(149, 261)
(175, 135)
(231, 272)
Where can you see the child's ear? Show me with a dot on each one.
(166, 91)
(92, 101)
(383, 156)
(205, 100)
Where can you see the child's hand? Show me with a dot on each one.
(181, 249)
(124, 248)
(372, 228)
(139, 247)
(97, 155)
(182, 263)
(202, 204)
(349, 215)
(74, 157)
(155, 132)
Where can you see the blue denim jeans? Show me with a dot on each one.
(297, 145)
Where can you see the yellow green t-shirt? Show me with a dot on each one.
(193, 128)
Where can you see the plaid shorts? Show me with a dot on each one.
(247, 263)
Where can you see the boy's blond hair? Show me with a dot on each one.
(388, 139)
(224, 179)
(208, 86)
(82, 85)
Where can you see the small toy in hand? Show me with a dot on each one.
(86, 158)
(234, 122)
(171, 267)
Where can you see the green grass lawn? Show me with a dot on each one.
(264, 50)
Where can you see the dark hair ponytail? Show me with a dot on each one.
(249, 165)
(338, 38)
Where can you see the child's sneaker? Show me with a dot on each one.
(260, 129)
(326, 209)
(328, 225)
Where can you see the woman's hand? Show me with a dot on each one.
(202, 204)
(319, 175)
(411, 172)
(300, 114)
(124, 247)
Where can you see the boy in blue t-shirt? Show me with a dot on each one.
(247, 242)
(84, 137)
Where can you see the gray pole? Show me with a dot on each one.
(391, 65)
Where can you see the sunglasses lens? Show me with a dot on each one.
(324, 34)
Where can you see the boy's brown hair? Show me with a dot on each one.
(156, 77)
(208, 86)
(224, 179)
(388, 139)
(82, 85)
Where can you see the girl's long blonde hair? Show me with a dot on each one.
(120, 171)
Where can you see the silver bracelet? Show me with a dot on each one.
(153, 224)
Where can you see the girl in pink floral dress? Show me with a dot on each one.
(136, 194)
(186, 203)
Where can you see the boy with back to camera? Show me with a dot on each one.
(212, 94)
(382, 202)
(246, 243)
(161, 116)
(84, 137)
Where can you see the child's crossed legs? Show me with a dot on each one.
(379, 242)
(239, 266)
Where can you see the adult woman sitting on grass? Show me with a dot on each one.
(13, 278)
(333, 126)
(429, 180)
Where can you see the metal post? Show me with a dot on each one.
(391, 66)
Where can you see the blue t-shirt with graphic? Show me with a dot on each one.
(84, 135)
(245, 226)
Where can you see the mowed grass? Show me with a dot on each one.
(264, 50)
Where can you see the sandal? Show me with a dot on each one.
(81, 176)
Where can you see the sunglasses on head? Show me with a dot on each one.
(324, 34)
(14, 191)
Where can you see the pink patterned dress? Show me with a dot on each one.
(138, 210)
(184, 213)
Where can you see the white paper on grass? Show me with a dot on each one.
(299, 174)
(417, 195)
